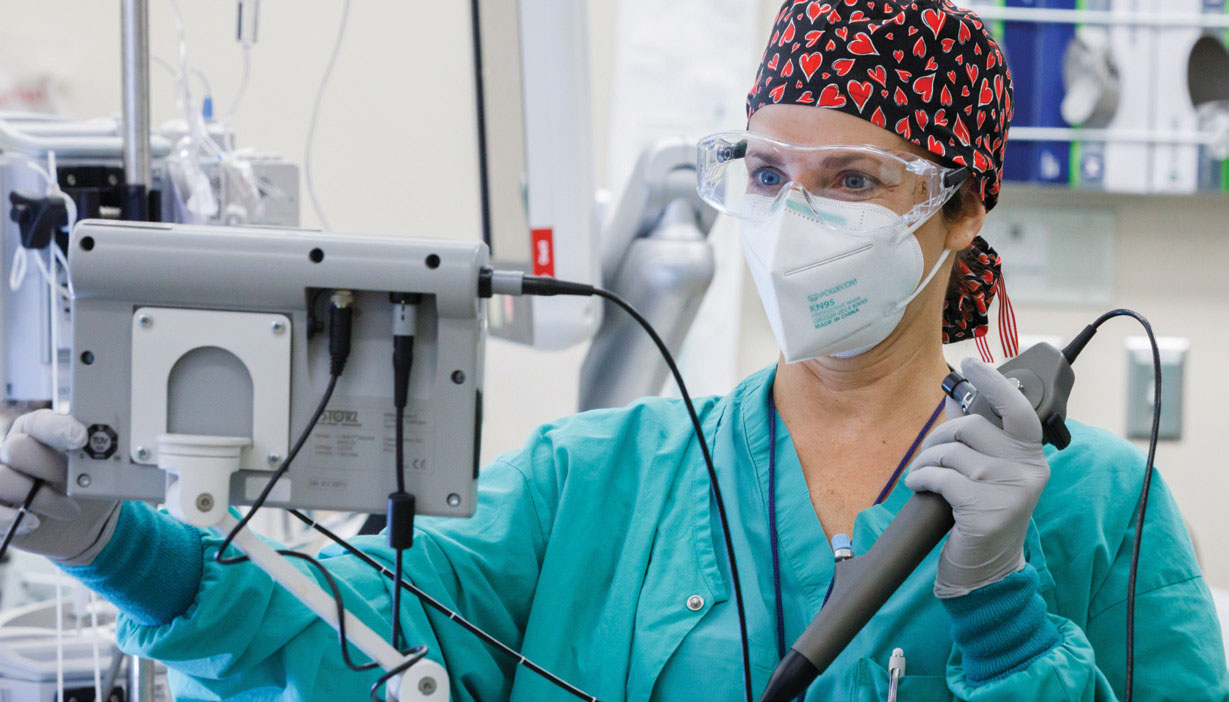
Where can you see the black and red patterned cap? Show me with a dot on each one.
(925, 70)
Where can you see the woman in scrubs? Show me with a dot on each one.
(875, 143)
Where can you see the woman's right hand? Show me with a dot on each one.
(66, 530)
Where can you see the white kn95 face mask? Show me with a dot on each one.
(834, 276)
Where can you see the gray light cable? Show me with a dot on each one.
(311, 125)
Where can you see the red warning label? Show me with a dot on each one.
(543, 251)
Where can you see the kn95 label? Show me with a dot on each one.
(834, 304)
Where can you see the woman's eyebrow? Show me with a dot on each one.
(842, 160)
(767, 158)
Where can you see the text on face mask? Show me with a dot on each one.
(827, 311)
(833, 290)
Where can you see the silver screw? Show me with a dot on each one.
(142, 453)
(204, 502)
(274, 459)
(454, 500)
(279, 327)
(426, 686)
(145, 320)
(112, 179)
(83, 480)
(71, 179)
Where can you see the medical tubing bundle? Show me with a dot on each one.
(517, 283)
(17, 273)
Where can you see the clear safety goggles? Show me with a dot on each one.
(749, 176)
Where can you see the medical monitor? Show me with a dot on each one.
(222, 333)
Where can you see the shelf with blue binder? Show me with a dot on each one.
(1124, 96)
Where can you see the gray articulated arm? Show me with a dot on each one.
(655, 255)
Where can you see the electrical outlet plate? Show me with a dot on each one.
(1141, 386)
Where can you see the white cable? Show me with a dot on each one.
(17, 273)
(199, 148)
(243, 86)
(61, 259)
(200, 75)
(196, 123)
(54, 298)
(56, 291)
(311, 125)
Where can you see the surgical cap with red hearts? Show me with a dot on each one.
(924, 69)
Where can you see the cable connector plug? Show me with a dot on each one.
(515, 283)
(1073, 349)
(405, 318)
(341, 322)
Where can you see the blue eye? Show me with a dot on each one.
(767, 178)
(856, 181)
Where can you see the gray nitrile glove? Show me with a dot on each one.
(991, 477)
(66, 530)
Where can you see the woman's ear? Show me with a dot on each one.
(968, 223)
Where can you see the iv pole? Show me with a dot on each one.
(426, 680)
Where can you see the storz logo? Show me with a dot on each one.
(344, 418)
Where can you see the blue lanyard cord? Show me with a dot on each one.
(772, 503)
(917, 441)
(772, 522)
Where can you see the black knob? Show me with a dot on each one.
(1054, 430)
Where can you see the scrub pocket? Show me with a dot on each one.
(708, 665)
(871, 685)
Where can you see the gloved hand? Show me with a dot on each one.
(991, 477)
(66, 530)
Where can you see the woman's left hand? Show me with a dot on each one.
(991, 477)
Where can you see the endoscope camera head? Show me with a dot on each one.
(1043, 374)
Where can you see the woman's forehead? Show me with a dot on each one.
(806, 125)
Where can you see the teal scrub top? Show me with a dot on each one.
(595, 550)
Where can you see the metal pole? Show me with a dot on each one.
(141, 677)
(134, 40)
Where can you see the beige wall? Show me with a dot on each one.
(398, 124)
